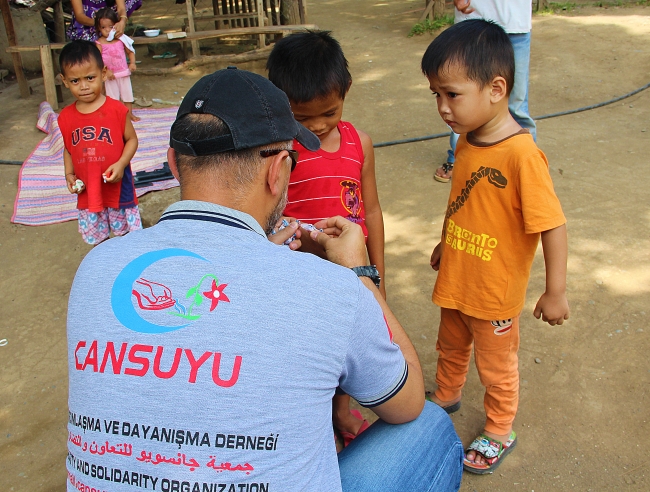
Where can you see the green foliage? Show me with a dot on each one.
(559, 6)
(431, 26)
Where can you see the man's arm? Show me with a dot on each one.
(553, 306)
(347, 249)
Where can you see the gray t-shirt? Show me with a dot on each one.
(202, 357)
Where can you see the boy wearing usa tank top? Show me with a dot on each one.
(339, 178)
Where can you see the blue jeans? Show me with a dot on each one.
(518, 99)
(423, 455)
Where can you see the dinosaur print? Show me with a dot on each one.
(494, 177)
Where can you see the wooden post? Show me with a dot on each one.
(302, 7)
(290, 12)
(48, 76)
(11, 37)
(260, 22)
(216, 9)
(59, 23)
(438, 8)
(434, 9)
(196, 51)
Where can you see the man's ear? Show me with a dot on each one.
(498, 89)
(275, 179)
(171, 159)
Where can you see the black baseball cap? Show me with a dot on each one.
(255, 111)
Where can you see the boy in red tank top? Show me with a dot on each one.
(100, 142)
(339, 178)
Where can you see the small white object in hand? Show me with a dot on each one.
(285, 223)
(78, 186)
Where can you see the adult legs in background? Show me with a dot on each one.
(443, 173)
(423, 455)
(518, 100)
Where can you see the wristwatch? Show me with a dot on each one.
(369, 271)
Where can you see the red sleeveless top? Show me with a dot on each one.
(95, 141)
(325, 184)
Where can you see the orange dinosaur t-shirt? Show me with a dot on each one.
(501, 199)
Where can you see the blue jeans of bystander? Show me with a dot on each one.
(423, 455)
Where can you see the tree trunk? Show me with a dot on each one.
(438, 8)
(290, 12)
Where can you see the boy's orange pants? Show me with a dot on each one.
(495, 351)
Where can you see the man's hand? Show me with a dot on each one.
(553, 309)
(283, 234)
(342, 241)
(463, 6)
(435, 257)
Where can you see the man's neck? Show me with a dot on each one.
(243, 202)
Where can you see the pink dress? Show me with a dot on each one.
(114, 58)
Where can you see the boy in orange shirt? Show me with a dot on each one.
(501, 201)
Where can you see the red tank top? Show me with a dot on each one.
(325, 184)
(95, 141)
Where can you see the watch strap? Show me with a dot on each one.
(369, 271)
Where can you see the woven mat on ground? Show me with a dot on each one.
(42, 196)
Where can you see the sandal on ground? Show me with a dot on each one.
(348, 437)
(165, 55)
(454, 407)
(447, 167)
(491, 450)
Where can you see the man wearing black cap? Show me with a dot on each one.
(205, 357)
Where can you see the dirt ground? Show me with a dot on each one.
(583, 421)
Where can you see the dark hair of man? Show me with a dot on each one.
(105, 13)
(78, 52)
(237, 169)
(309, 65)
(481, 47)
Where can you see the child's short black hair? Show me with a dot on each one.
(481, 47)
(309, 65)
(78, 52)
(105, 13)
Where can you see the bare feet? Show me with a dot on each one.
(477, 458)
(443, 173)
(134, 117)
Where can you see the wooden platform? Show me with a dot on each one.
(49, 77)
